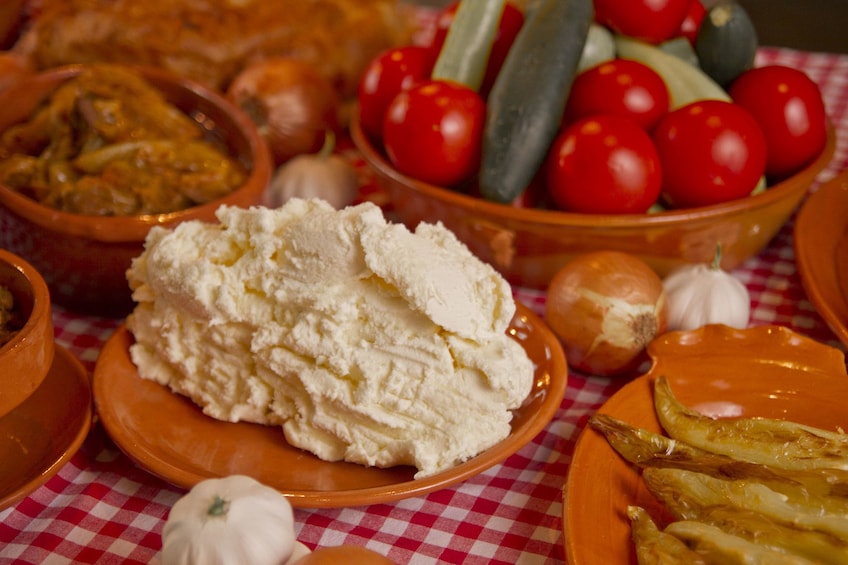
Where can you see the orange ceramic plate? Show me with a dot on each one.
(170, 437)
(765, 371)
(44, 432)
(821, 252)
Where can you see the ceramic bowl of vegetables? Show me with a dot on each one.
(26, 331)
(94, 156)
(618, 143)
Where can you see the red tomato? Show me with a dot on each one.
(535, 196)
(790, 110)
(433, 132)
(620, 86)
(692, 22)
(442, 25)
(653, 21)
(711, 151)
(385, 76)
(510, 24)
(604, 164)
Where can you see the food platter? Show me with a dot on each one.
(38, 437)
(170, 437)
(764, 371)
(821, 250)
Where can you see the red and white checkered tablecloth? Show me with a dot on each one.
(100, 508)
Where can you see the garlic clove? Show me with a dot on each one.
(311, 176)
(324, 175)
(699, 295)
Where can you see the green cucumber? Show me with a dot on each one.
(727, 42)
(528, 97)
(686, 82)
(468, 44)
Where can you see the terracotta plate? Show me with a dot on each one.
(821, 252)
(44, 432)
(170, 437)
(765, 371)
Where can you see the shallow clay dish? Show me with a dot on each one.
(528, 246)
(25, 360)
(84, 258)
(821, 252)
(765, 371)
(42, 434)
(344, 554)
(170, 437)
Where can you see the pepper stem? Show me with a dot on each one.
(218, 507)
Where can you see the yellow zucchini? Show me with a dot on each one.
(599, 48)
(686, 82)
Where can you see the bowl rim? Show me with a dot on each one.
(557, 218)
(133, 228)
(41, 303)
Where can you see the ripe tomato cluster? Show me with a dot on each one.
(703, 153)
(622, 147)
(431, 129)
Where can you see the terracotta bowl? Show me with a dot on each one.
(528, 246)
(84, 259)
(25, 359)
(344, 554)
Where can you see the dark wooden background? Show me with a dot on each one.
(809, 25)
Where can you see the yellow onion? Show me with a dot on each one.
(605, 307)
(292, 104)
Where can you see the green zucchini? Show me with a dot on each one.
(468, 44)
(528, 97)
(727, 42)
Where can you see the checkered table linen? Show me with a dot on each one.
(100, 508)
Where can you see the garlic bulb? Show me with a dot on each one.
(703, 294)
(233, 519)
(323, 175)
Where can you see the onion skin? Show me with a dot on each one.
(292, 104)
(605, 307)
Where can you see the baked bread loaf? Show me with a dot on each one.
(211, 40)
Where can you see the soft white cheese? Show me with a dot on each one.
(364, 341)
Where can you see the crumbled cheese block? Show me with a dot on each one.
(364, 341)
